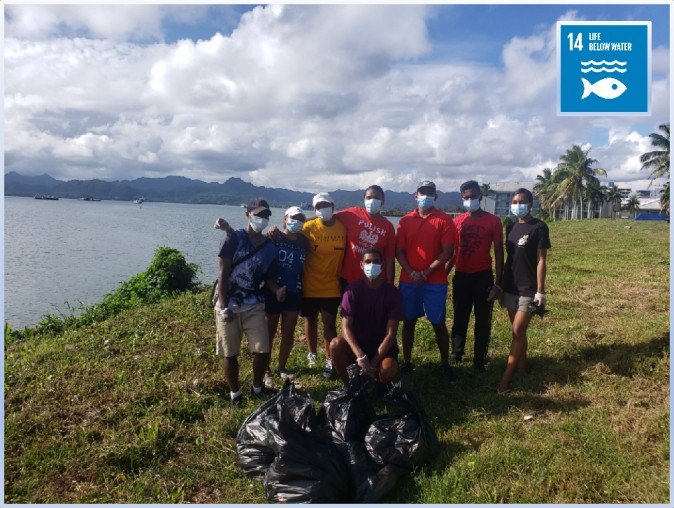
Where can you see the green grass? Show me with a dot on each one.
(134, 409)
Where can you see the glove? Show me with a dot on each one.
(540, 299)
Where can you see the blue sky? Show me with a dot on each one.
(311, 97)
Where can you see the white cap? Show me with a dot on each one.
(320, 197)
(293, 210)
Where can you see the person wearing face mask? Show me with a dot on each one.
(248, 262)
(371, 311)
(424, 243)
(367, 227)
(473, 285)
(292, 250)
(320, 281)
(527, 244)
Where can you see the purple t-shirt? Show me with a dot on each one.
(371, 310)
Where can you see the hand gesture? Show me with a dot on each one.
(221, 223)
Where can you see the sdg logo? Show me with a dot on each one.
(604, 67)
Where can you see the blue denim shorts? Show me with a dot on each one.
(424, 299)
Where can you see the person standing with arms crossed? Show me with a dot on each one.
(425, 242)
(320, 281)
(366, 228)
(527, 244)
(473, 284)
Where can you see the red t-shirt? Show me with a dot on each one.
(362, 232)
(476, 236)
(422, 239)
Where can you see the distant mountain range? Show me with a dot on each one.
(178, 189)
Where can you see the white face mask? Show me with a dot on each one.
(325, 214)
(372, 270)
(519, 210)
(294, 225)
(471, 204)
(258, 223)
(373, 206)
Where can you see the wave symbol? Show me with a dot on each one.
(603, 62)
(604, 69)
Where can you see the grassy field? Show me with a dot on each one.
(134, 409)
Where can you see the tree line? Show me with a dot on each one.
(572, 189)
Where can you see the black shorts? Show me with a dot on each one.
(391, 353)
(272, 306)
(311, 306)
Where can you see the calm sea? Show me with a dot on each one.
(61, 253)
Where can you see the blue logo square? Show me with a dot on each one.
(604, 67)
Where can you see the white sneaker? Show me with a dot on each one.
(286, 375)
(328, 370)
(311, 357)
(268, 381)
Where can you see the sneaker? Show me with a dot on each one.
(311, 358)
(449, 373)
(236, 401)
(266, 393)
(406, 368)
(328, 369)
(268, 381)
(285, 375)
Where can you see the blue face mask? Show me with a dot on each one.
(425, 202)
(294, 225)
(372, 205)
(471, 204)
(520, 210)
(372, 270)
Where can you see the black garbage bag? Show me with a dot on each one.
(253, 440)
(404, 437)
(308, 467)
(348, 412)
(369, 480)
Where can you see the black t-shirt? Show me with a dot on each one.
(523, 240)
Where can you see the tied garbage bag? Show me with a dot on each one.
(369, 481)
(253, 441)
(308, 467)
(347, 411)
(403, 438)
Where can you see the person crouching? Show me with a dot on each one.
(371, 311)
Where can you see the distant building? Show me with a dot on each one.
(500, 195)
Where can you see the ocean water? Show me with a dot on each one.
(60, 254)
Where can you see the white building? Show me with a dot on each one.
(500, 195)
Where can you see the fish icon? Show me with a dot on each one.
(607, 88)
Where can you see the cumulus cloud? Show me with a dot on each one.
(306, 97)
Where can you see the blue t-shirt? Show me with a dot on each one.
(247, 279)
(291, 256)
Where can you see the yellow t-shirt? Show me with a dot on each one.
(324, 259)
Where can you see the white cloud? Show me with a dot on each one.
(305, 97)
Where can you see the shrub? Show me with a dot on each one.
(507, 220)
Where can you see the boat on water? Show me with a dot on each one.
(89, 198)
(138, 201)
(48, 198)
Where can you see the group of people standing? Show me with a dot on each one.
(346, 258)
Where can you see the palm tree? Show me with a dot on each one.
(664, 198)
(573, 174)
(657, 161)
(613, 197)
(544, 189)
(596, 195)
(632, 204)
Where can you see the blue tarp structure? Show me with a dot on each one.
(650, 216)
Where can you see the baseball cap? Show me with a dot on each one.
(426, 183)
(320, 197)
(292, 211)
(256, 205)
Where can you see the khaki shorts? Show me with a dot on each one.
(515, 302)
(251, 322)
